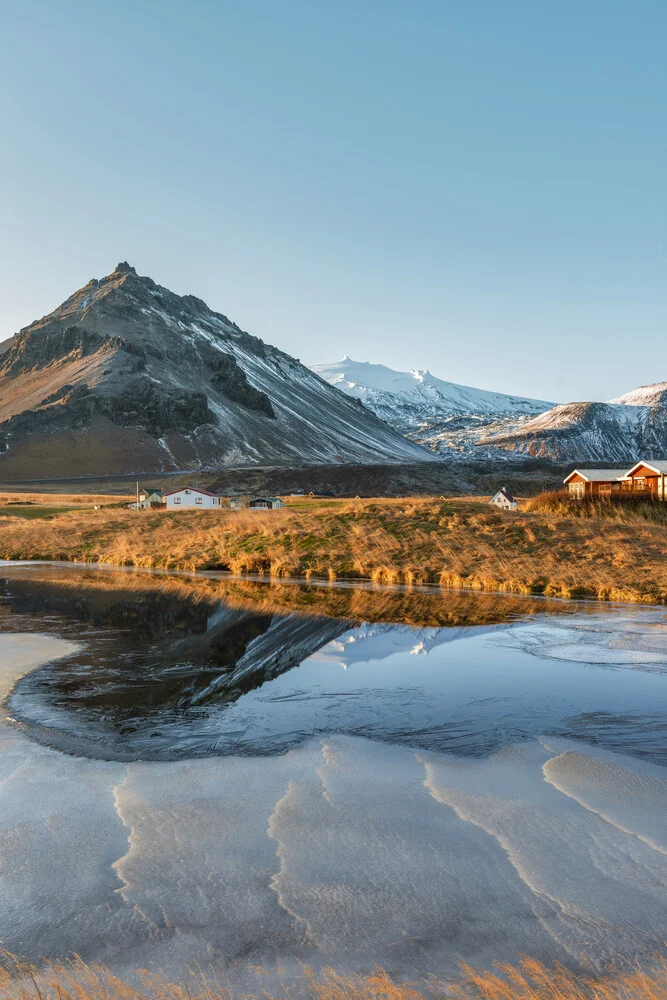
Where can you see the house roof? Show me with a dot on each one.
(192, 489)
(266, 500)
(598, 475)
(659, 466)
(505, 493)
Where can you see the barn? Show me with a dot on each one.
(191, 497)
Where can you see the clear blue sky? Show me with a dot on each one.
(474, 186)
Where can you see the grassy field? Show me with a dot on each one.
(454, 543)
(41, 505)
(529, 981)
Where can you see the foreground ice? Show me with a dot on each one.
(342, 851)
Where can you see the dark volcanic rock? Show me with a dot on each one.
(232, 382)
(34, 349)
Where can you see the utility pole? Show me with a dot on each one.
(137, 494)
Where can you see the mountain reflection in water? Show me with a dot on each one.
(171, 667)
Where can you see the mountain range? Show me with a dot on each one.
(447, 418)
(126, 376)
(457, 421)
(621, 430)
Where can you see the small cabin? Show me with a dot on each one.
(648, 477)
(503, 499)
(594, 482)
(190, 498)
(150, 497)
(265, 503)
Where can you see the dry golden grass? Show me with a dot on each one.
(529, 981)
(64, 499)
(410, 540)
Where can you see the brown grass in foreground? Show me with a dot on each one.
(530, 980)
(410, 540)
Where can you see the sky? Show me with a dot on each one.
(471, 186)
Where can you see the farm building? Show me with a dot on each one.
(592, 482)
(191, 497)
(504, 499)
(648, 477)
(150, 496)
(265, 503)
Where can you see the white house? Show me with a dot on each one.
(190, 497)
(504, 499)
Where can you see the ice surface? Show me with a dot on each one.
(345, 850)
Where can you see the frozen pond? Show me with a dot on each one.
(220, 777)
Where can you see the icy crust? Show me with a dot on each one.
(348, 851)
(345, 852)
(637, 640)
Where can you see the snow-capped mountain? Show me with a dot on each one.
(127, 376)
(444, 416)
(620, 430)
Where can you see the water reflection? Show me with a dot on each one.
(171, 667)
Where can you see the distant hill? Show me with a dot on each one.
(620, 430)
(127, 376)
(446, 417)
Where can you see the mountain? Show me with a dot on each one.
(126, 376)
(620, 430)
(446, 417)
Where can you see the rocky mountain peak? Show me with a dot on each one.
(124, 268)
(127, 376)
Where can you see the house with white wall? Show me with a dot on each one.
(503, 499)
(190, 497)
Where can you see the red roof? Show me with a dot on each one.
(192, 489)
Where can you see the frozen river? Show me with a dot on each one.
(221, 782)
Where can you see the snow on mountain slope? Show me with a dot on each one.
(444, 416)
(645, 395)
(127, 376)
(620, 430)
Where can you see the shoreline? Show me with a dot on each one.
(363, 584)
(404, 543)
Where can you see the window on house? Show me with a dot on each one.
(198, 500)
(576, 489)
(177, 499)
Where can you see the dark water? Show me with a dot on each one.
(164, 673)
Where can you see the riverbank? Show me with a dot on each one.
(453, 543)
